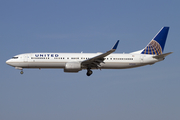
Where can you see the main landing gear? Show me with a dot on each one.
(89, 72)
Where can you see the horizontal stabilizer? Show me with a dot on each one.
(162, 55)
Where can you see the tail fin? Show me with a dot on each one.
(156, 45)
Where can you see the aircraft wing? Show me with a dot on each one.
(162, 55)
(95, 61)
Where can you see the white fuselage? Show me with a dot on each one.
(75, 62)
(59, 60)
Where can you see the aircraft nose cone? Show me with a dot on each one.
(8, 62)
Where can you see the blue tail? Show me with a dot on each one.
(156, 46)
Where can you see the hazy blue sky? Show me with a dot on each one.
(145, 93)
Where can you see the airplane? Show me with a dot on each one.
(75, 62)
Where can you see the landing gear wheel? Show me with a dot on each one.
(89, 72)
(21, 72)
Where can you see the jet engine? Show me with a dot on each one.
(72, 67)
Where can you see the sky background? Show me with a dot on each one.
(144, 93)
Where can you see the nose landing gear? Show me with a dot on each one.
(21, 72)
(89, 72)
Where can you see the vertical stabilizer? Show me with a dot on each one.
(156, 45)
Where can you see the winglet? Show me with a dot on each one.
(115, 46)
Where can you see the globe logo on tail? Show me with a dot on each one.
(153, 48)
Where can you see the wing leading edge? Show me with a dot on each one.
(95, 61)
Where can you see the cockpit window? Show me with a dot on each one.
(14, 57)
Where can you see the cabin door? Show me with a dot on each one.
(26, 58)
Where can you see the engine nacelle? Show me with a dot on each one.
(72, 67)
